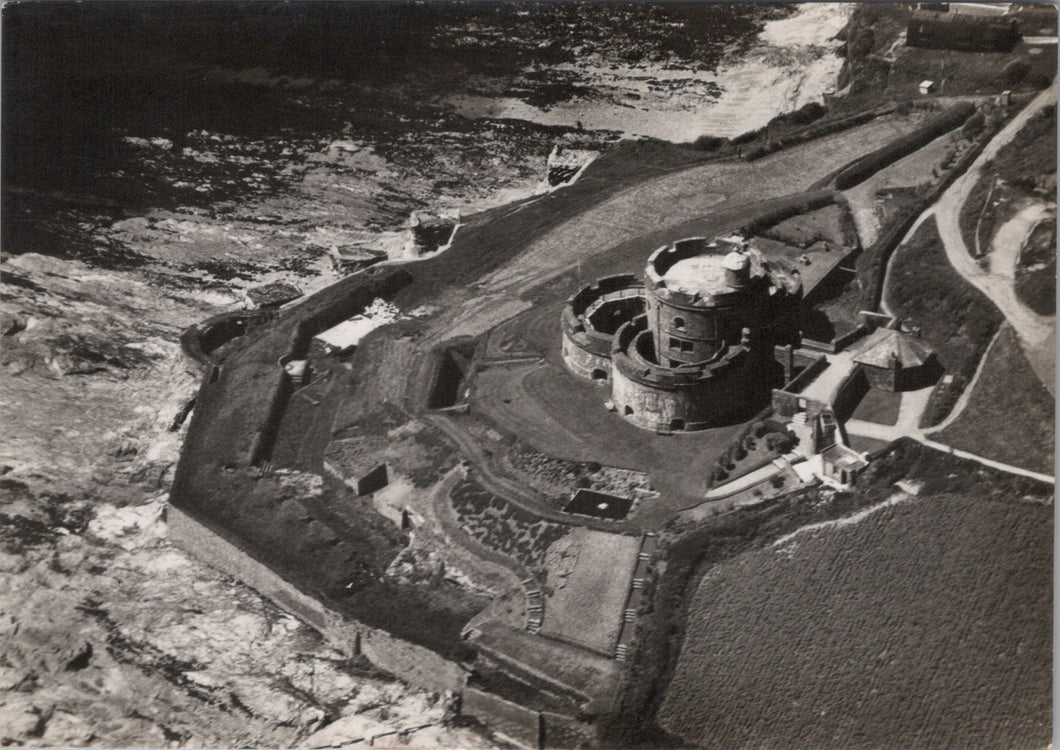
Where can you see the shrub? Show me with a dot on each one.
(807, 113)
(973, 126)
(708, 143)
(1014, 73)
(779, 442)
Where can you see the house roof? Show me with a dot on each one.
(886, 344)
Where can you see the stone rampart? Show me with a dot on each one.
(566, 732)
(200, 341)
(725, 399)
(414, 664)
(517, 723)
(590, 319)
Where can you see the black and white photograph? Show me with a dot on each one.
(527, 374)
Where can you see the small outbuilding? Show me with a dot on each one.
(927, 87)
(841, 465)
(963, 29)
(896, 361)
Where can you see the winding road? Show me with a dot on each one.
(1037, 333)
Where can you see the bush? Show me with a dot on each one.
(708, 143)
(1014, 73)
(779, 442)
(973, 126)
(807, 113)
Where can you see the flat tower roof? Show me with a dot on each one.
(703, 273)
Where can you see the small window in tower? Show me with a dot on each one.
(686, 346)
(675, 343)
(679, 324)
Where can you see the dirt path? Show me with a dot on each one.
(888, 433)
(1008, 242)
(1034, 331)
(966, 394)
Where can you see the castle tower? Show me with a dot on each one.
(693, 346)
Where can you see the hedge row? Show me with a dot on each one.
(871, 263)
(809, 133)
(793, 205)
(884, 156)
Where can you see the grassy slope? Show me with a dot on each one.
(692, 551)
(1010, 415)
(1032, 153)
(924, 290)
(872, 31)
(927, 624)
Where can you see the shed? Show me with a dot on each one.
(896, 361)
(927, 87)
(962, 31)
(841, 465)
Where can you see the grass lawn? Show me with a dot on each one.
(1010, 415)
(919, 625)
(586, 604)
(924, 290)
(879, 406)
(867, 444)
(746, 675)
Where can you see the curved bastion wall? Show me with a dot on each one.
(590, 320)
(715, 392)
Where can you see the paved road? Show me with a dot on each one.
(1034, 331)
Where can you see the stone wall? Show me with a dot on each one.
(583, 362)
(586, 350)
(526, 727)
(850, 393)
(517, 723)
(726, 399)
(414, 664)
(559, 731)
